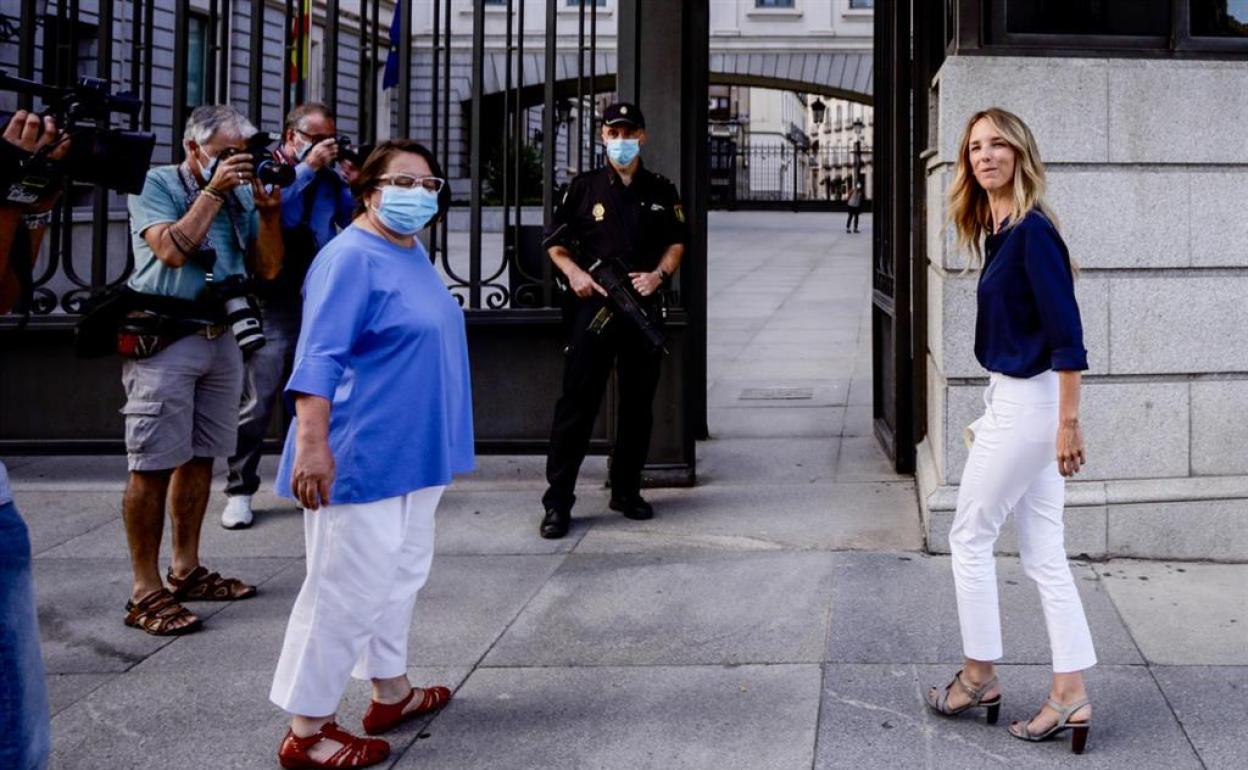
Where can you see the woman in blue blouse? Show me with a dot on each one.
(383, 409)
(1029, 337)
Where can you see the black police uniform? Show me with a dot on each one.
(601, 217)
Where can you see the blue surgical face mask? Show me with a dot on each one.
(406, 211)
(210, 167)
(622, 151)
(302, 152)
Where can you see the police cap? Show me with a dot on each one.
(623, 114)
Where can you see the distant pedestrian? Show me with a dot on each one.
(383, 420)
(626, 214)
(1028, 334)
(855, 208)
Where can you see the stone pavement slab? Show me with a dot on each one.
(874, 716)
(81, 605)
(895, 608)
(674, 608)
(66, 515)
(474, 522)
(1183, 614)
(277, 531)
(861, 459)
(163, 720)
(1210, 702)
(665, 718)
(64, 690)
(783, 461)
(822, 516)
(763, 422)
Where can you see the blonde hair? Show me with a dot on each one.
(968, 210)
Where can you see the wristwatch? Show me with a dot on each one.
(664, 276)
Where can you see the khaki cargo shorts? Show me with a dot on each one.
(183, 402)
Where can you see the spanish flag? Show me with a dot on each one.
(301, 48)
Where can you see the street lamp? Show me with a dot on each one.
(858, 128)
(563, 117)
(817, 109)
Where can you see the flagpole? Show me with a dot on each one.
(405, 70)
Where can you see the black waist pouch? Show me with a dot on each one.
(95, 336)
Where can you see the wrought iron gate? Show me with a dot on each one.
(500, 145)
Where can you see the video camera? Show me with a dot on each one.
(112, 158)
(268, 168)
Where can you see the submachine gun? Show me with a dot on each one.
(612, 275)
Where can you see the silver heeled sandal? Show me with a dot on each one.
(938, 701)
(1078, 730)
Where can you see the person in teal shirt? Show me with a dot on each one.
(206, 216)
(383, 421)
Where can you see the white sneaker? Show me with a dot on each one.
(237, 513)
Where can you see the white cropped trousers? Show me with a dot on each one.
(366, 563)
(1012, 467)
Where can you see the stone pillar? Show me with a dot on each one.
(663, 66)
(1147, 173)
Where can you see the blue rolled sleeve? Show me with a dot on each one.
(335, 296)
(1047, 265)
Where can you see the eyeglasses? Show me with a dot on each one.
(407, 181)
(315, 138)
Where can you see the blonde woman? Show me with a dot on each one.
(1029, 337)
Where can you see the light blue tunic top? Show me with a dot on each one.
(385, 342)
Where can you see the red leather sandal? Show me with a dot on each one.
(355, 752)
(381, 717)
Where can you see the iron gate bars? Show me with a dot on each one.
(254, 53)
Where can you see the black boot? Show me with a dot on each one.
(633, 507)
(556, 523)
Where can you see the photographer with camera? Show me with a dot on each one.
(199, 228)
(24, 732)
(314, 208)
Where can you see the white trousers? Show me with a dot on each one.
(1012, 467)
(366, 564)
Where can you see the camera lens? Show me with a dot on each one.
(273, 173)
(245, 322)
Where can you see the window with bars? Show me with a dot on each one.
(775, 3)
(197, 61)
(1140, 25)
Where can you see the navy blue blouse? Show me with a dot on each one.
(1028, 319)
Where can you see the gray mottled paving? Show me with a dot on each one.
(778, 615)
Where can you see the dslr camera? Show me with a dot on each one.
(241, 312)
(112, 158)
(267, 167)
(347, 150)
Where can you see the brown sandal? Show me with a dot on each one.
(204, 586)
(355, 752)
(159, 614)
(381, 717)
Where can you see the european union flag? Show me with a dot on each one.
(391, 78)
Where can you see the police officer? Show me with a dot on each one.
(621, 211)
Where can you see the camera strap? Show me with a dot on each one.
(232, 206)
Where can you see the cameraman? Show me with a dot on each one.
(24, 732)
(199, 223)
(314, 208)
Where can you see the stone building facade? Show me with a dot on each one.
(1146, 165)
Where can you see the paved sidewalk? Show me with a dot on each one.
(779, 615)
